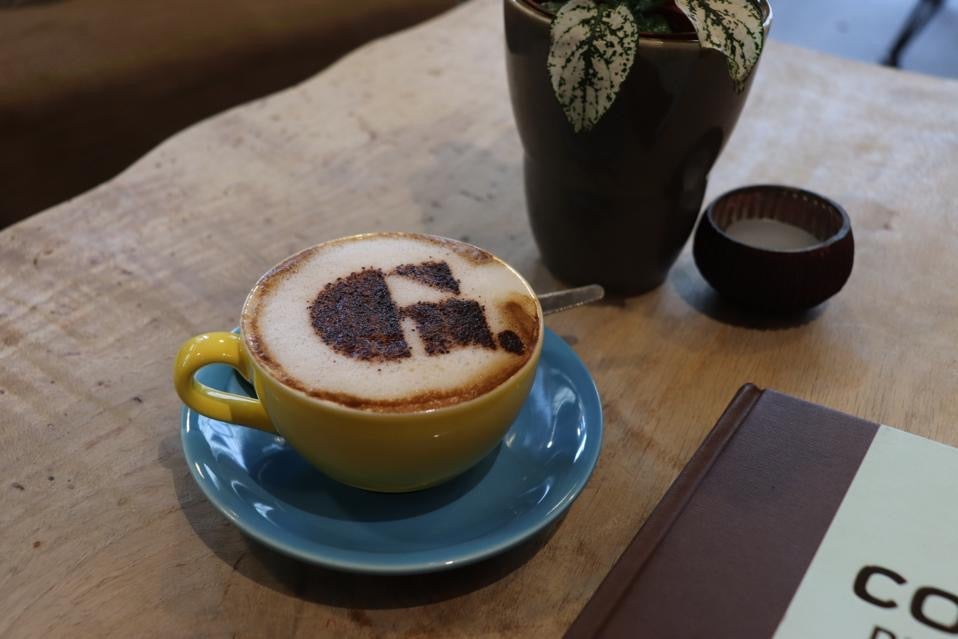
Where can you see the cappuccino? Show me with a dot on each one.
(393, 322)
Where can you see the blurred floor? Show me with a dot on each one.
(88, 86)
(866, 29)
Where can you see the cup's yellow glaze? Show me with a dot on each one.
(374, 450)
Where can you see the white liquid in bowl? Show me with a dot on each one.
(771, 234)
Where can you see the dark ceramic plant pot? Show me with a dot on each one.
(614, 206)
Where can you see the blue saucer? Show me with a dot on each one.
(276, 497)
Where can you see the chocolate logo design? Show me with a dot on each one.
(357, 317)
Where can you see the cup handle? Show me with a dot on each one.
(217, 348)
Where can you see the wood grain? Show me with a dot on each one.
(104, 532)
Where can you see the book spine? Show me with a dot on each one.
(627, 568)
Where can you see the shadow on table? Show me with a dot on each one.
(292, 577)
(348, 590)
(686, 281)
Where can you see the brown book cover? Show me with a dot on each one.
(792, 521)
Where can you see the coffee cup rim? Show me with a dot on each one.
(387, 413)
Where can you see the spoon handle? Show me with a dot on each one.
(570, 298)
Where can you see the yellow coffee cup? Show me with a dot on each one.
(372, 449)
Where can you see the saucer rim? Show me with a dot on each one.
(447, 562)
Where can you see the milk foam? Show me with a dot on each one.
(279, 326)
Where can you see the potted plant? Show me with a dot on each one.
(622, 107)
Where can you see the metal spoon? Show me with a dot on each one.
(570, 298)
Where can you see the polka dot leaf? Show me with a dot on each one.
(593, 46)
(731, 27)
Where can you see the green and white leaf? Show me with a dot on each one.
(732, 27)
(593, 47)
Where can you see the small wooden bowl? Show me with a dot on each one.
(771, 280)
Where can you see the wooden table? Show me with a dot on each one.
(104, 533)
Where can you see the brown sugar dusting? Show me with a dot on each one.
(356, 316)
(384, 340)
(435, 274)
(510, 342)
(522, 318)
(449, 324)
